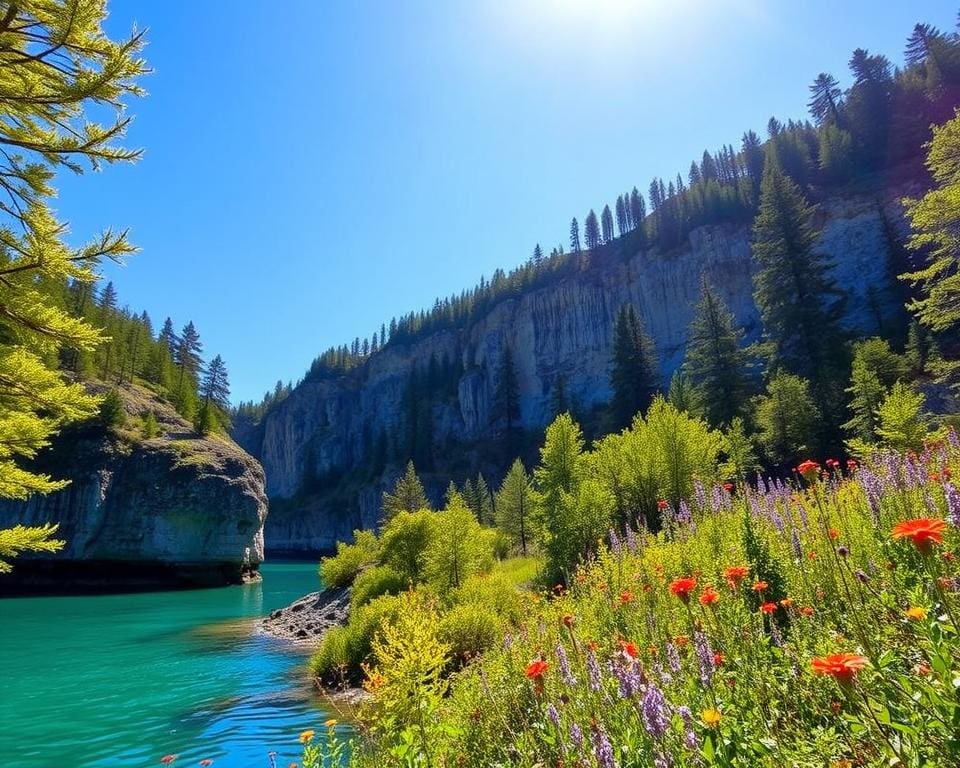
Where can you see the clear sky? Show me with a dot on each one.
(314, 167)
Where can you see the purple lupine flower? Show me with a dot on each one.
(802, 514)
(655, 711)
(673, 657)
(761, 485)
(699, 495)
(563, 664)
(631, 539)
(507, 641)
(701, 644)
(873, 490)
(775, 634)
(755, 508)
(683, 515)
(593, 671)
(952, 496)
(627, 672)
(931, 504)
(576, 735)
(553, 715)
(662, 760)
(665, 677)
(952, 439)
(614, 542)
(716, 499)
(602, 748)
(776, 519)
(690, 740)
(795, 543)
(913, 473)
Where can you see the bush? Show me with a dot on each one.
(341, 569)
(405, 540)
(469, 629)
(374, 582)
(111, 410)
(345, 649)
(495, 592)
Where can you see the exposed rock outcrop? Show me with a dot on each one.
(308, 619)
(172, 510)
(561, 329)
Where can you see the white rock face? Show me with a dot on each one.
(562, 329)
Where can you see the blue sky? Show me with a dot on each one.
(313, 168)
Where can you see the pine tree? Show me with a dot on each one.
(638, 211)
(59, 74)
(407, 495)
(794, 290)
(606, 224)
(187, 358)
(169, 337)
(824, 98)
(514, 506)
(680, 394)
(537, 255)
(506, 395)
(215, 387)
(716, 362)
(786, 418)
(920, 43)
(633, 378)
(574, 236)
(591, 231)
(484, 511)
(621, 213)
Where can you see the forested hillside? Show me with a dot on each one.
(744, 289)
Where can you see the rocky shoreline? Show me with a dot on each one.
(307, 620)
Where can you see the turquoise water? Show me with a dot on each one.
(121, 680)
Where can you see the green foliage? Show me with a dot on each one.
(456, 548)
(469, 629)
(151, 428)
(741, 459)
(404, 543)
(515, 506)
(902, 423)
(341, 569)
(786, 418)
(374, 582)
(763, 567)
(633, 377)
(111, 413)
(22, 538)
(506, 395)
(875, 369)
(407, 495)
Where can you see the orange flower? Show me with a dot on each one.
(681, 641)
(735, 574)
(662, 504)
(718, 659)
(840, 666)
(834, 533)
(728, 487)
(306, 737)
(537, 669)
(923, 670)
(787, 602)
(710, 717)
(916, 613)
(806, 611)
(625, 597)
(768, 608)
(759, 586)
(682, 587)
(709, 595)
(629, 648)
(808, 469)
(331, 723)
(568, 621)
(923, 532)
(592, 645)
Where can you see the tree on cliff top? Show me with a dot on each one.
(56, 64)
(407, 495)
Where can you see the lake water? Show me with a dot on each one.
(122, 680)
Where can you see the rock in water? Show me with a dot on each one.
(308, 619)
(176, 510)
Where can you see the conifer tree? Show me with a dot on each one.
(794, 291)
(514, 507)
(638, 210)
(606, 224)
(187, 358)
(591, 231)
(60, 74)
(786, 418)
(168, 336)
(633, 378)
(215, 387)
(506, 395)
(574, 236)
(716, 362)
(680, 394)
(824, 98)
(485, 504)
(537, 255)
(407, 495)
(621, 213)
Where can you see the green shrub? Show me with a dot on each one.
(341, 569)
(374, 582)
(405, 540)
(494, 591)
(111, 410)
(344, 649)
(469, 629)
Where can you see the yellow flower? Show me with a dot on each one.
(331, 723)
(306, 737)
(710, 717)
(917, 613)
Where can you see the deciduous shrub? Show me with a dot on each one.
(341, 569)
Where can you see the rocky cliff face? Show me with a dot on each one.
(173, 510)
(563, 329)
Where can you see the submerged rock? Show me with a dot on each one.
(175, 510)
(308, 619)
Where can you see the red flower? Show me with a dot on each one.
(807, 611)
(786, 602)
(840, 666)
(768, 608)
(625, 597)
(537, 669)
(728, 487)
(923, 532)
(851, 464)
(592, 645)
(629, 648)
(834, 533)
(662, 504)
(709, 595)
(759, 586)
(935, 477)
(832, 463)
(167, 759)
(735, 574)
(808, 469)
(682, 587)
(718, 659)
(681, 641)
(946, 473)
(568, 621)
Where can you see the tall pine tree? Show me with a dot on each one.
(633, 378)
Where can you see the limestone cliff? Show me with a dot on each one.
(173, 510)
(562, 329)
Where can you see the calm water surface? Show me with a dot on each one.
(121, 680)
